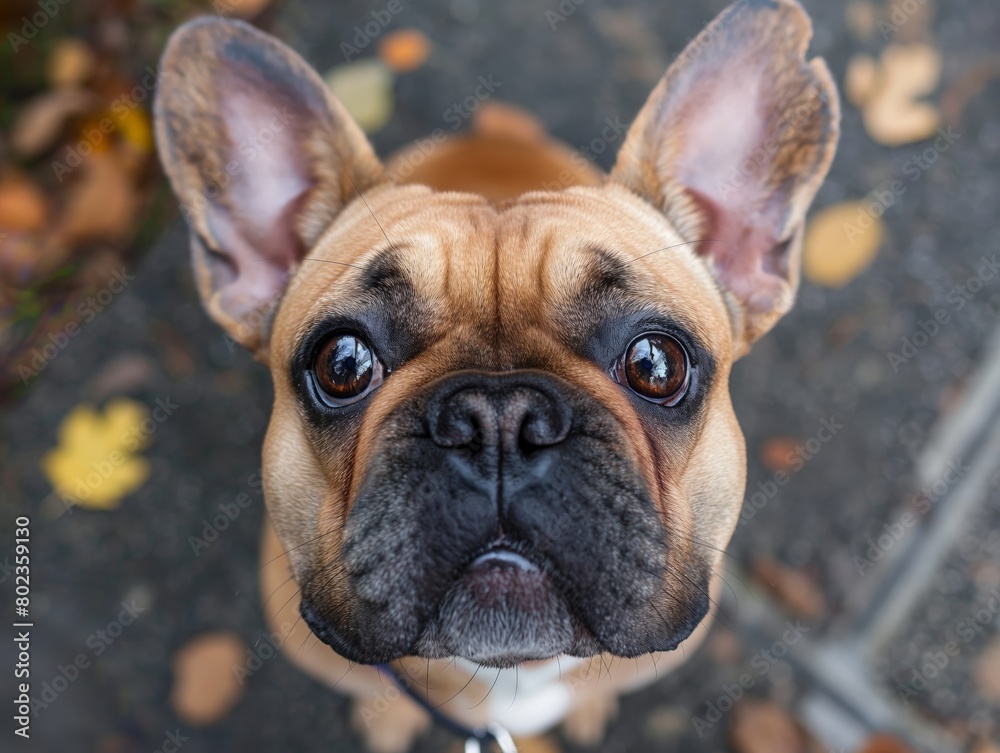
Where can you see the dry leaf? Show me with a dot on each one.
(799, 594)
(885, 744)
(861, 78)
(893, 115)
(135, 127)
(22, 204)
(985, 746)
(102, 204)
(841, 241)
(206, 686)
(41, 120)
(987, 672)
(968, 85)
(365, 89)
(71, 63)
(778, 453)
(404, 50)
(94, 464)
(764, 727)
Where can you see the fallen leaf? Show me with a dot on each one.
(135, 127)
(778, 453)
(764, 727)
(841, 241)
(724, 646)
(71, 63)
(966, 87)
(206, 686)
(94, 464)
(885, 744)
(41, 120)
(365, 89)
(893, 115)
(404, 50)
(987, 672)
(861, 78)
(102, 204)
(22, 204)
(985, 746)
(799, 594)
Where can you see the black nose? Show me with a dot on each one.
(514, 413)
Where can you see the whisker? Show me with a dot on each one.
(351, 178)
(676, 245)
(461, 690)
(488, 691)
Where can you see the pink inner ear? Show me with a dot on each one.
(720, 161)
(266, 183)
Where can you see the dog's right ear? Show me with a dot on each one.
(262, 157)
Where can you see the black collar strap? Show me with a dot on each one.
(474, 738)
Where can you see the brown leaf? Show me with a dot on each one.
(861, 78)
(765, 727)
(841, 241)
(205, 682)
(778, 453)
(968, 85)
(987, 672)
(41, 120)
(102, 204)
(885, 744)
(793, 588)
(404, 50)
(22, 204)
(71, 63)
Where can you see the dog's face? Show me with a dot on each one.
(501, 431)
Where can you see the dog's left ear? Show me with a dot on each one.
(732, 146)
(262, 157)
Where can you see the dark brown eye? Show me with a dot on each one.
(655, 367)
(346, 369)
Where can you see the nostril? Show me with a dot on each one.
(466, 421)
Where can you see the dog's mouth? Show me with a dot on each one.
(503, 609)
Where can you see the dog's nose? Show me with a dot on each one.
(516, 413)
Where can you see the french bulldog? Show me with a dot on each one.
(502, 463)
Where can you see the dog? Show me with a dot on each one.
(502, 457)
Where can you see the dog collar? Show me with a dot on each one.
(475, 738)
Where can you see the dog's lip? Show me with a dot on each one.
(502, 558)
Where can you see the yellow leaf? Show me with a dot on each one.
(135, 128)
(95, 464)
(365, 89)
(841, 241)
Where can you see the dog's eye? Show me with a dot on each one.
(655, 367)
(346, 369)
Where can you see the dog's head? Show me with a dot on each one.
(501, 431)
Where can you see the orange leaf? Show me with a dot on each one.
(206, 686)
(405, 50)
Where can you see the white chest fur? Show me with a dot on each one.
(527, 700)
